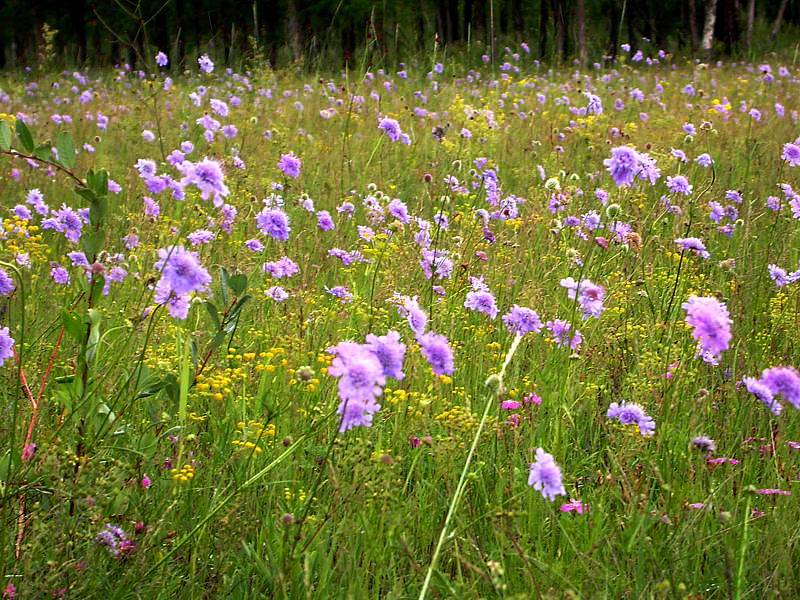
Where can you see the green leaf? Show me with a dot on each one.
(86, 194)
(5, 136)
(43, 151)
(24, 136)
(98, 209)
(238, 284)
(213, 312)
(100, 186)
(66, 149)
(224, 285)
(73, 325)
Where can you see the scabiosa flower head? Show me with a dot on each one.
(704, 444)
(623, 165)
(6, 345)
(325, 221)
(679, 185)
(545, 476)
(629, 413)
(361, 380)
(6, 283)
(763, 393)
(589, 295)
(205, 64)
(290, 165)
(201, 237)
(704, 160)
(791, 154)
(435, 263)
(521, 320)
(340, 292)
(161, 59)
(695, 245)
(560, 329)
(411, 310)
(284, 267)
(481, 301)
(206, 175)
(59, 274)
(390, 352)
(36, 199)
(66, 221)
(182, 270)
(391, 128)
(274, 223)
(436, 350)
(783, 381)
(277, 293)
(711, 326)
(254, 245)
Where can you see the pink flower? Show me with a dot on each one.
(575, 506)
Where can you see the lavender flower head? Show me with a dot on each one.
(545, 476)
(589, 295)
(711, 326)
(629, 413)
(695, 245)
(290, 165)
(6, 345)
(437, 351)
(521, 320)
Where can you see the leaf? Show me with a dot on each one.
(213, 312)
(43, 151)
(5, 136)
(238, 284)
(86, 194)
(66, 149)
(95, 318)
(223, 284)
(24, 136)
(73, 325)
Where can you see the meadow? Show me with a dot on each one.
(438, 330)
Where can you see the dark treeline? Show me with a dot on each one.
(332, 32)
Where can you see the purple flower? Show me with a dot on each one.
(711, 326)
(181, 275)
(791, 154)
(206, 175)
(254, 245)
(290, 165)
(783, 381)
(325, 221)
(521, 320)
(437, 351)
(201, 237)
(6, 345)
(116, 541)
(560, 329)
(679, 185)
(59, 274)
(763, 393)
(205, 64)
(435, 263)
(481, 301)
(696, 245)
(65, 221)
(390, 352)
(161, 59)
(277, 293)
(391, 128)
(36, 200)
(704, 160)
(340, 292)
(704, 444)
(410, 309)
(361, 380)
(545, 476)
(282, 268)
(629, 413)
(623, 165)
(274, 223)
(6, 283)
(590, 296)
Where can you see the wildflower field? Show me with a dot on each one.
(444, 330)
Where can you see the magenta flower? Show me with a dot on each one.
(290, 165)
(545, 476)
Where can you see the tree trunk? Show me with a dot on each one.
(776, 26)
(708, 28)
(293, 29)
(692, 25)
(751, 19)
(560, 26)
(542, 28)
(580, 18)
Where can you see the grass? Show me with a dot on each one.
(231, 416)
